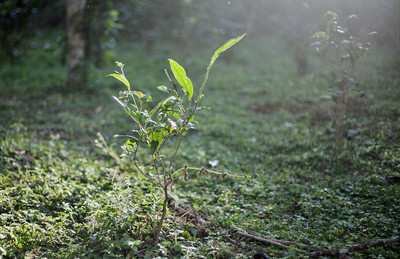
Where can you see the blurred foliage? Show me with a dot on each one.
(102, 24)
(147, 19)
(20, 19)
(188, 24)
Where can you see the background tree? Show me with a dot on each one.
(76, 43)
(182, 22)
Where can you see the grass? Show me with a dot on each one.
(64, 191)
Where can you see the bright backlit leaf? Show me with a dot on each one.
(180, 75)
(121, 78)
(226, 46)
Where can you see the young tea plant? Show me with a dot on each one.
(164, 125)
(347, 49)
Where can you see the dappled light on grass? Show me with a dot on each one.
(260, 175)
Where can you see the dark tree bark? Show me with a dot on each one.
(76, 44)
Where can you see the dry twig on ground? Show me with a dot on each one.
(312, 251)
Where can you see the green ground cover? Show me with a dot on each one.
(64, 191)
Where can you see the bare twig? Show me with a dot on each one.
(269, 241)
(315, 251)
(247, 247)
(288, 243)
(336, 252)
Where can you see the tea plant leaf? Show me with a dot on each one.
(226, 46)
(319, 35)
(180, 75)
(138, 94)
(154, 146)
(146, 98)
(351, 17)
(131, 144)
(331, 14)
(122, 78)
(172, 125)
(155, 139)
(370, 35)
(163, 88)
(221, 49)
(163, 102)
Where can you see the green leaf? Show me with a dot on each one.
(159, 104)
(123, 79)
(138, 94)
(180, 75)
(169, 101)
(142, 116)
(331, 14)
(131, 144)
(319, 35)
(163, 88)
(174, 114)
(146, 98)
(154, 146)
(351, 17)
(370, 35)
(155, 139)
(150, 124)
(194, 231)
(226, 46)
(172, 125)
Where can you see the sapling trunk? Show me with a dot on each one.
(163, 214)
(348, 50)
(341, 115)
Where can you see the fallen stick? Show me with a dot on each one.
(343, 251)
(269, 241)
(287, 243)
(316, 251)
(247, 247)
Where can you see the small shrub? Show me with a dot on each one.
(348, 49)
(162, 128)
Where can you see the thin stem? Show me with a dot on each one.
(164, 213)
(210, 171)
(342, 105)
(134, 161)
(163, 168)
(341, 114)
(134, 100)
(180, 137)
(338, 128)
(175, 152)
(158, 174)
(137, 122)
(204, 81)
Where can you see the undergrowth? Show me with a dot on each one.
(62, 194)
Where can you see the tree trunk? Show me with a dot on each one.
(76, 44)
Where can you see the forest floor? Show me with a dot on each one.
(66, 193)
